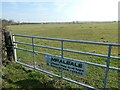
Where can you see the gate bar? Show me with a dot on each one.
(67, 40)
(107, 68)
(62, 55)
(43, 71)
(90, 63)
(67, 50)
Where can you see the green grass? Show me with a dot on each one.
(98, 32)
(16, 77)
(85, 31)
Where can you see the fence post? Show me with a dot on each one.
(62, 54)
(8, 45)
(1, 43)
(107, 68)
(34, 59)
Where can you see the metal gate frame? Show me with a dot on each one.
(108, 57)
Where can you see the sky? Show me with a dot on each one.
(59, 10)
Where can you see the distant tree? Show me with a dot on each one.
(77, 22)
(73, 22)
(18, 23)
(10, 22)
(4, 22)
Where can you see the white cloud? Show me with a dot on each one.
(96, 10)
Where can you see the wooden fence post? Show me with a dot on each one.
(8, 45)
(0, 55)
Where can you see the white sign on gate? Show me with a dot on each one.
(68, 65)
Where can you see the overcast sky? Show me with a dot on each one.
(59, 10)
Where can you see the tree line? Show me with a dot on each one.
(12, 22)
(4, 22)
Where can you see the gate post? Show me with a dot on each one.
(8, 45)
(15, 46)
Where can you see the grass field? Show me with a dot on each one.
(99, 32)
(85, 31)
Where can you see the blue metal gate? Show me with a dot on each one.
(62, 50)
